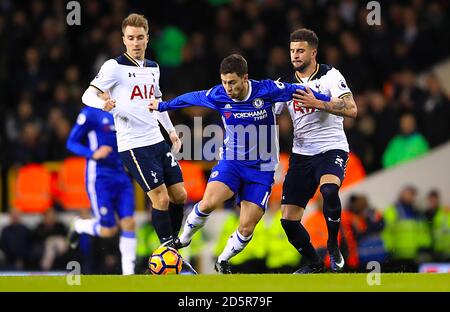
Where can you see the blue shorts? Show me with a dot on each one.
(152, 165)
(304, 173)
(247, 183)
(110, 196)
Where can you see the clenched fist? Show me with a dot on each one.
(109, 105)
(153, 105)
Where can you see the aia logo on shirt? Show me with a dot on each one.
(298, 108)
(143, 92)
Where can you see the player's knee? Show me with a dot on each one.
(207, 205)
(179, 197)
(108, 231)
(330, 191)
(288, 212)
(128, 224)
(246, 230)
(163, 201)
(295, 232)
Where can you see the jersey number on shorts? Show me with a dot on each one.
(173, 161)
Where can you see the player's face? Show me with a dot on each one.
(135, 40)
(301, 55)
(234, 86)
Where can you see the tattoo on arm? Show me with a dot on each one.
(340, 106)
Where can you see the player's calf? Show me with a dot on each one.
(195, 221)
(300, 239)
(235, 244)
(331, 211)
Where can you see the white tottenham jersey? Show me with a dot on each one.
(132, 86)
(317, 131)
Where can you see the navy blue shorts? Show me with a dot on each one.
(247, 183)
(152, 165)
(304, 173)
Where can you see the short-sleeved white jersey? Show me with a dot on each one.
(317, 131)
(132, 85)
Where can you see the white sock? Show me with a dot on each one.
(88, 226)
(127, 246)
(235, 244)
(194, 221)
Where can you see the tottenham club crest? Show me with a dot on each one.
(258, 103)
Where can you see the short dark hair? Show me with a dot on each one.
(304, 34)
(234, 63)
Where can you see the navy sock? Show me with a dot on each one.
(299, 238)
(162, 225)
(176, 213)
(331, 211)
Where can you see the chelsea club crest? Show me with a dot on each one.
(258, 103)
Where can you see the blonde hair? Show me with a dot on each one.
(135, 20)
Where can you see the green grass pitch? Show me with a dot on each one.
(230, 283)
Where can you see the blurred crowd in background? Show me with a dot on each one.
(46, 65)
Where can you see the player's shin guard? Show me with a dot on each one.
(87, 226)
(331, 211)
(127, 246)
(161, 223)
(195, 221)
(299, 238)
(176, 213)
(235, 244)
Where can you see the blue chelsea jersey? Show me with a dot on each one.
(93, 129)
(250, 125)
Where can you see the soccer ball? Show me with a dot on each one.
(165, 260)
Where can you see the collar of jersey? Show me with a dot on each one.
(310, 77)
(248, 94)
(132, 60)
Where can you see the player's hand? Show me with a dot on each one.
(109, 105)
(102, 152)
(306, 98)
(176, 142)
(153, 105)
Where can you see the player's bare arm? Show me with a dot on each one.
(176, 142)
(344, 106)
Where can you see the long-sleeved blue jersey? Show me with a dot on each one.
(93, 129)
(250, 124)
(109, 188)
